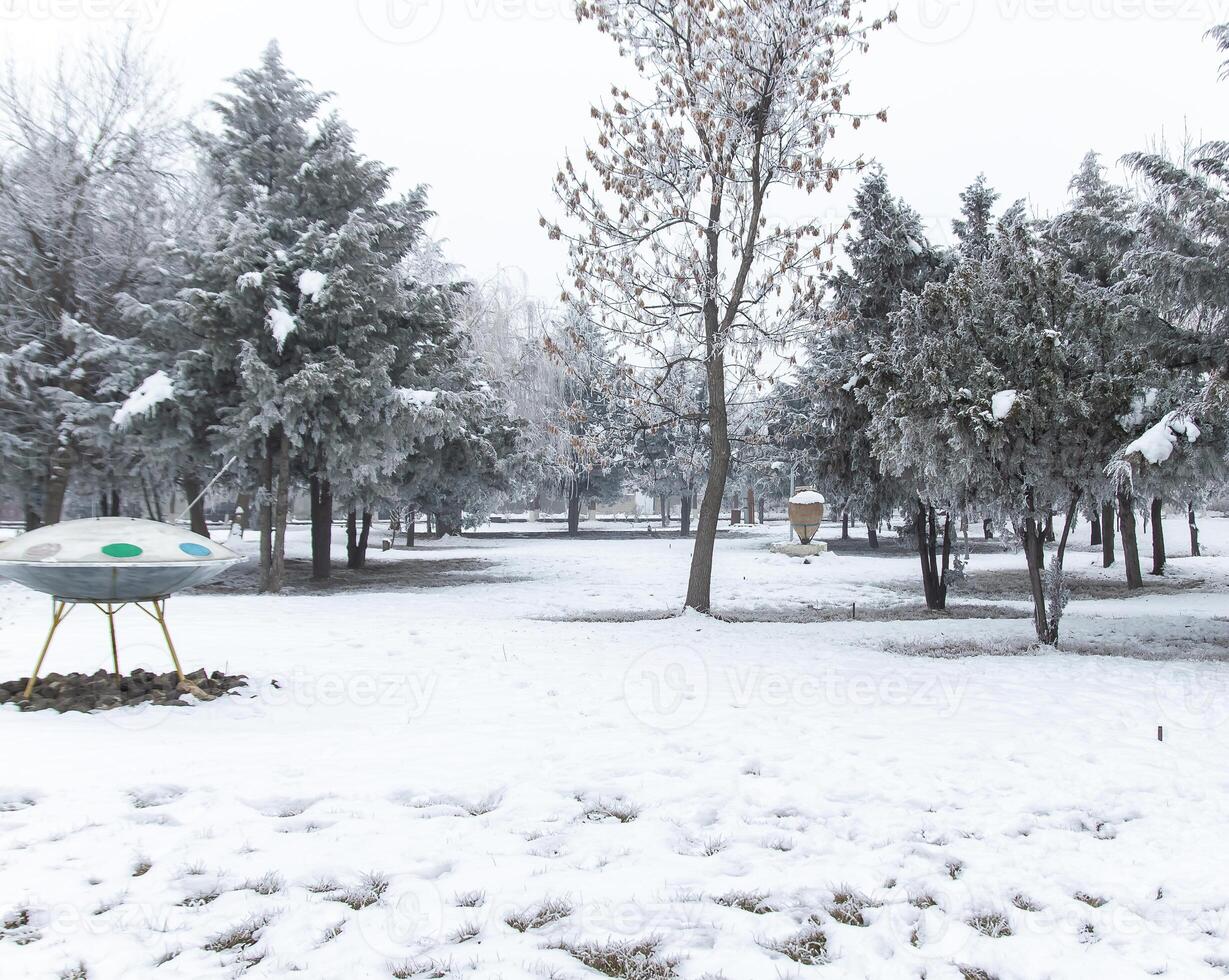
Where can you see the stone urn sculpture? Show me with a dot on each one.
(806, 513)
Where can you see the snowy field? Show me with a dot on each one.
(460, 765)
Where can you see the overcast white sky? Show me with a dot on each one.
(480, 98)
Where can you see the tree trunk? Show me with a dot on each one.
(923, 551)
(1034, 554)
(448, 522)
(1190, 520)
(196, 518)
(1047, 596)
(761, 506)
(872, 531)
(845, 526)
(750, 505)
(1107, 534)
(153, 506)
(949, 536)
(266, 516)
(685, 516)
(410, 520)
(108, 505)
(149, 504)
(700, 580)
(574, 507)
(1095, 540)
(31, 509)
(664, 504)
(57, 486)
(1158, 536)
(322, 528)
(1130, 546)
(243, 508)
(196, 510)
(934, 582)
(988, 529)
(365, 537)
(277, 576)
(356, 540)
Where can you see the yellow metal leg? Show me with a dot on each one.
(114, 649)
(160, 608)
(59, 613)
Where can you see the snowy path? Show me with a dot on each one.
(722, 787)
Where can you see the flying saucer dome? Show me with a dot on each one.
(112, 559)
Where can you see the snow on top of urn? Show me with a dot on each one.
(808, 497)
(113, 541)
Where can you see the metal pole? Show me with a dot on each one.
(59, 613)
(201, 496)
(160, 607)
(114, 648)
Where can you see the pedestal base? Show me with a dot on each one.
(796, 550)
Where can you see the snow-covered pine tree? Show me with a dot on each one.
(888, 256)
(162, 439)
(975, 227)
(300, 301)
(988, 390)
(1180, 262)
(242, 279)
(1182, 251)
(669, 242)
(1093, 237)
(464, 449)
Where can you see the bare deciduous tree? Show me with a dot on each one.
(671, 244)
(86, 154)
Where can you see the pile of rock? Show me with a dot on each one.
(101, 692)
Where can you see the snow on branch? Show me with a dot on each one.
(154, 390)
(281, 325)
(1002, 404)
(1158, 443)
(311, 282)
(415, 399)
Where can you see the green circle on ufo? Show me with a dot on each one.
(122, 550)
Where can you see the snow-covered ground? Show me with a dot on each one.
(469, 765)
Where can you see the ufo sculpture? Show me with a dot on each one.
(110, 563)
